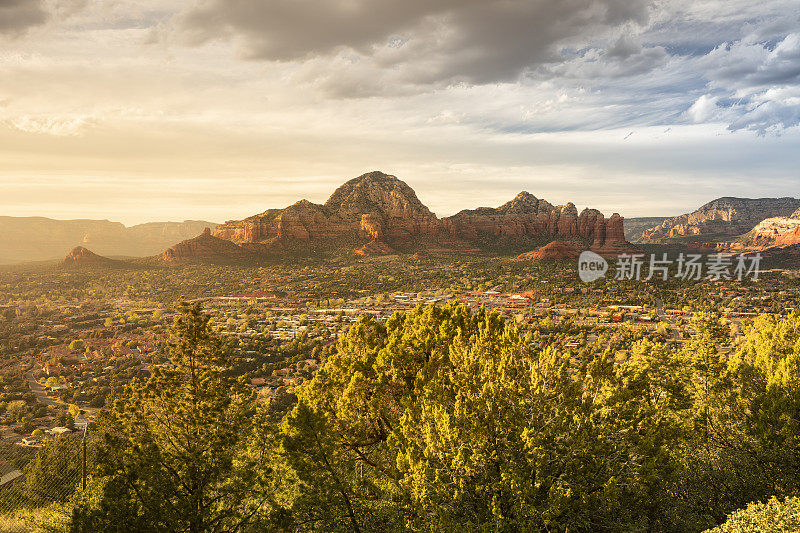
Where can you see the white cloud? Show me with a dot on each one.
(769, 115)
(436, 99)
(58, 126)
(704, 109)
(760, 81)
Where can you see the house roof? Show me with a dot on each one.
(10, 476)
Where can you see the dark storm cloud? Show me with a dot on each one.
(623, 58)
(16, 16)
(471, 41)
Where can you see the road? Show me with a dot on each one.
(42, 397)
(38, 389)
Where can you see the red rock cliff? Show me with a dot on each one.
(724, 217)
(204, 247)
(377, 207)
(372, 206)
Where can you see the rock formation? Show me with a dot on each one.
(524, 216)
(374, 206)
(375, 248)
(723, 217)
(776, 239)
(776, 231)
(608, 241)
(610, 237)
(80, 256)
(378, 213)
(204, 247)
(554, 251)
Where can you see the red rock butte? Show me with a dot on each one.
(378, 214)
(83, 256)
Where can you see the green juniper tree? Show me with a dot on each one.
(173, 452)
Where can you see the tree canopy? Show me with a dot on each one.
(450, 419)
(174, 451)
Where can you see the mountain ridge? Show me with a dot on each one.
(381, 209)
(46, 239)
(727, 216)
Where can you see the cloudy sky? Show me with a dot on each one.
(142, 110)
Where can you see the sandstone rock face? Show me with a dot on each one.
(608, 241)
(376, 192)
(778, 231)
(204, 247)
(82, 256)
(610, 238)
(371, 227)
(372, 206)
(524, 216)
(384, 214)
(724, 217)
(554, 251)
(375, 248)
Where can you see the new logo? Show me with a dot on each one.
(591, 266)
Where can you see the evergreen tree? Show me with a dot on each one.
(172, 451)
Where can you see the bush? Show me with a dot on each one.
(77, 346)
(775, 516)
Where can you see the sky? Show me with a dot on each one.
(148, 110)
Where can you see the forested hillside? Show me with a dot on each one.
(448, 419)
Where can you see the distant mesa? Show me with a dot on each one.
(80, 256)
(45, 239)
(377, 213)
(723, 217)
(636, 226)
(204, 247)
